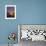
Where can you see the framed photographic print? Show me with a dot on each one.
(10, 11)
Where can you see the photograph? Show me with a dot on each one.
(10, 11)
(28, 33)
